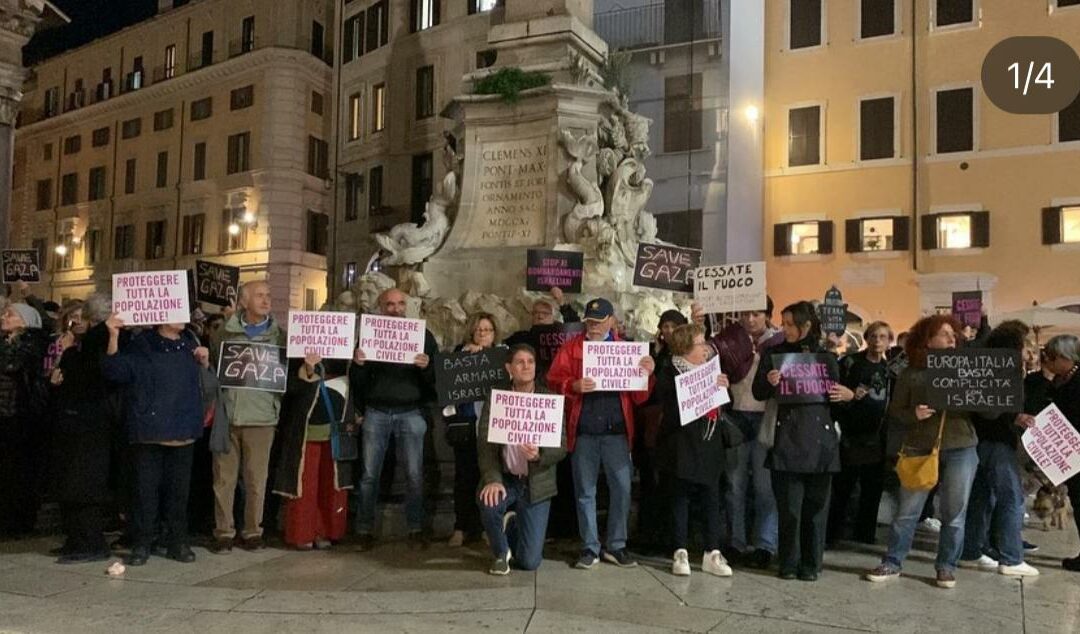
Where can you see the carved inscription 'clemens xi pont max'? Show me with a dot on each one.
(510, 198)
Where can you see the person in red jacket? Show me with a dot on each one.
(599, 428)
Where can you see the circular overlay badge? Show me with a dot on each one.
(1031, 75)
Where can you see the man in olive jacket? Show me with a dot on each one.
(517, 478)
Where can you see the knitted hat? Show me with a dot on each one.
(29, 315)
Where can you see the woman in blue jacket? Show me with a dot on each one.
(164, 373)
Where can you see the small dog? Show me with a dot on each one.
(1051, 506)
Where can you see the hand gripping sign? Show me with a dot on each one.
(391, 339)
(616, 365)
(525, 418)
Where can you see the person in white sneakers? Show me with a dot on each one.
(691, 456)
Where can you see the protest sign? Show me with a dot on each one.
(391, 339)
(151, 299)
(551, 337)
(461, 377)
(21, 265)
(667, 267)
(975, 380)
(328, 334)
(697, 391)
(833, 312)
(252, 366)
(217, 284)
(525, 418)
(547, 269)
(805, 377)
(1054, 444)
(616, 365)
(730, 288)
(967, 307)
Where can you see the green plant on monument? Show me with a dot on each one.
(509, 82)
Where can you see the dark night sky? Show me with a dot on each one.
(90, 19)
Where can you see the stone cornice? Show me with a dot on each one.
(21, 17)
(197, 80)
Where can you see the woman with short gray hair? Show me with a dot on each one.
(1062, 358)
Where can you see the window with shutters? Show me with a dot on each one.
(1068, 122)
(425, 92)
(247, 34)
(241, 98)
(877, 234)
(194, 227)
(377, 28)
(198, 171)
(804, 136)
(682, 113)
(155, 239)
(804, 238)
(69, 189)
(72, 144)
(96, 186)
(954, 12)
(804, 24)
(354, 191)
(202, 109)
(44, 194)
(877, 129)
(353, 39)
(356, 102)
(162, 179)
(877, 18)
(239, 157)
(955, 120)
(131, 128)
(318, 35)
(318, 157)
(316, 232)
(163, 120)
(129, 176)
(954, 231)
(92, 247)
(124, 242)
(424, 14)
(810, 237)
(480, 6)
(100, 137)
(1070, 224)
(378, 107)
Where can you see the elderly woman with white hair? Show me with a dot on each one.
(22, 407)
(1062, 357)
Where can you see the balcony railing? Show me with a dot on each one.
(660, 24)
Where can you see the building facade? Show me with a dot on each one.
(890, 174)
(202, 133)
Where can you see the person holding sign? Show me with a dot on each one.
(393, 397)
(600, 426)
(1063, 359)
(997, 494)
(691, 453)
(250, 420)
(805, 450)
(949, 435)
(167, 386)
(517, 479)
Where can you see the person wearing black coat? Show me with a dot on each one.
(1062, 357)
(805, 451)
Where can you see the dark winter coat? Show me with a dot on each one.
(688, 452)
(862, 420)
(22, 391)
(911, 391)
(394, 386)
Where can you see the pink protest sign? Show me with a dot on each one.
(698, 393)
(151, 298)
(327, 334)
(391, 339)
(521, 418)
(1054, 444)
(615, 365)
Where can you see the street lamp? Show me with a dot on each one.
(234, 229)
(752, 114)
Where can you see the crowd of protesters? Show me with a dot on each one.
(128, 430)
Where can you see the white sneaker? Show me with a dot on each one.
(680, 565)
(715, 564)
(1021, 569)
(931, 524)
(984, 562)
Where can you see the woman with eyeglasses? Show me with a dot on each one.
(481, 333)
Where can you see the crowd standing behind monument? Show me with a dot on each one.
(128, 430)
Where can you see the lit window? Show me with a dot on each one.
(355, 121)
(378, 108)
(954, 232)
(804, 238)
(877, 234)
(485, 5)
(1070, 224)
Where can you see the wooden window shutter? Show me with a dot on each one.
(1051, 225)
(853, 235)
(928, 231)
(782, 239)
(901, 228)
(825, 236)
(980, 229)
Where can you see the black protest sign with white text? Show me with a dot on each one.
(216, 284)
(21, 265)
(547, 269)
(975, 380)
(462, 377)
(253, 366)
(666, 267)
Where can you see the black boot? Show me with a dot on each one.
(139, 556)
(181, 553)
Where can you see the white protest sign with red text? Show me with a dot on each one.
(698, 393)
(391, 339)
(1054, 444)
(524, 418)
(327, 334)
(616, 365)
(151, 298)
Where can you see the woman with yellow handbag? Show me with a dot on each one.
(939, 448)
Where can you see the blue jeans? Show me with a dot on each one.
(613, 453)
(525, 535)
(745, 468)
(955, 475)
(408, 428)
(996, 508)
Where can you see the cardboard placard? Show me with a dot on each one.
(330, 335)
(805, 377)
(391, 339)
(1054, 444)
(462, 377)
(547, 269)
(667, 267)
(248, 365)
(217, 284)
(21, 265)
(550, 338)
(731, 288)
(525, 418)
(975, 380)
(967, 307)
(697, 391)
(833, 312)
(151, 298)
(616, 365)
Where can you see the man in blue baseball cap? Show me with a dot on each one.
(599, 431)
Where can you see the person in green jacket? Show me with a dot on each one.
(516, 481)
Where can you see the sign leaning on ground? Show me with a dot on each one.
(252, 366)
(666, 267)
(547, 269)
(805, 377)
(730, 288)
(616, 365)
(391, 339)
(152, 298)
(21, 265)
(697, 391)
(523, 418)
(975, 380)
(330, 335)
(461, 377)
(217, 284)
(1054, 444)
